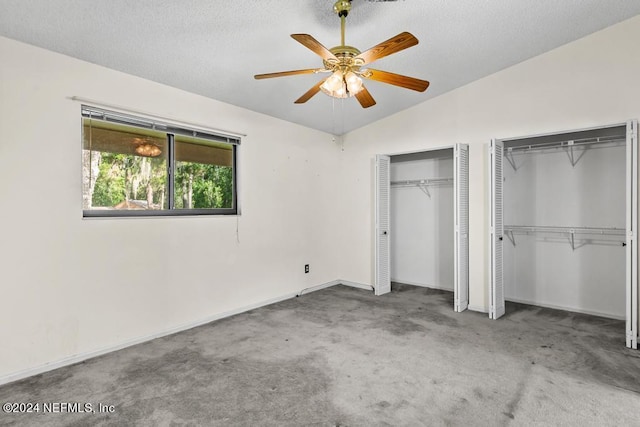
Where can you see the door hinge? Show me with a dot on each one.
(630, 336)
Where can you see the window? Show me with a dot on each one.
(137, 167)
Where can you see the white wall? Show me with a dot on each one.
(546, 190)
(590, 82)
(72, 285)
(422, 226)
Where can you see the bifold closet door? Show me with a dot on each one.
(461, 227)
(382, 240)
(496, 229)
(632, 236)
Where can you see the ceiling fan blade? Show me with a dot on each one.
(286, 73)
(308, 94)
(313, 44)
(397, 80)
(394, 44)
(365, 99)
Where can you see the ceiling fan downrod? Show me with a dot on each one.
(343, 54)
(342, 8)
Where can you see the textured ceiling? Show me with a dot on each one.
(214, 47)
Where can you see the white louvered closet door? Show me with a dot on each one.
(461, 238)
(632, 236)
(383, 259)
(496, 287)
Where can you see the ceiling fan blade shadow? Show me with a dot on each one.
(313, 44)
(394, 44)
(287, 73)
(364, 98)
(308, 94)
(397, 80)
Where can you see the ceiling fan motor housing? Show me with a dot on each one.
(346, 59)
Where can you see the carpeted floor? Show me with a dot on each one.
(343, 357)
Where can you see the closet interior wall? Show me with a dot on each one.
(559, 188)
(422, 219)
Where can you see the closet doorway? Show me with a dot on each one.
(563, 223)
(422, 221)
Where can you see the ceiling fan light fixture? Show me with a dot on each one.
(354, 83)
(342, 85)
(333, 82)
(334, 85)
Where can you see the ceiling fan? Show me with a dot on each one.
(345, 65)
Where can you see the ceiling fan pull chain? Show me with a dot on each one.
(333, 114)
(342, 114)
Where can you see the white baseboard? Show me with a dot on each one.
(317, 288)
(99, 352)
(356, 285)
(422, 285)
(572, 309)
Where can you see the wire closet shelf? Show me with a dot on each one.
(574, 148)
(573, 233)
(422, 184)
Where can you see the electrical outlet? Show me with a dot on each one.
(306, 268)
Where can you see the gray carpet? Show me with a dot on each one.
(343, 357)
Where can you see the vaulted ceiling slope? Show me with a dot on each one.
(214, 47)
